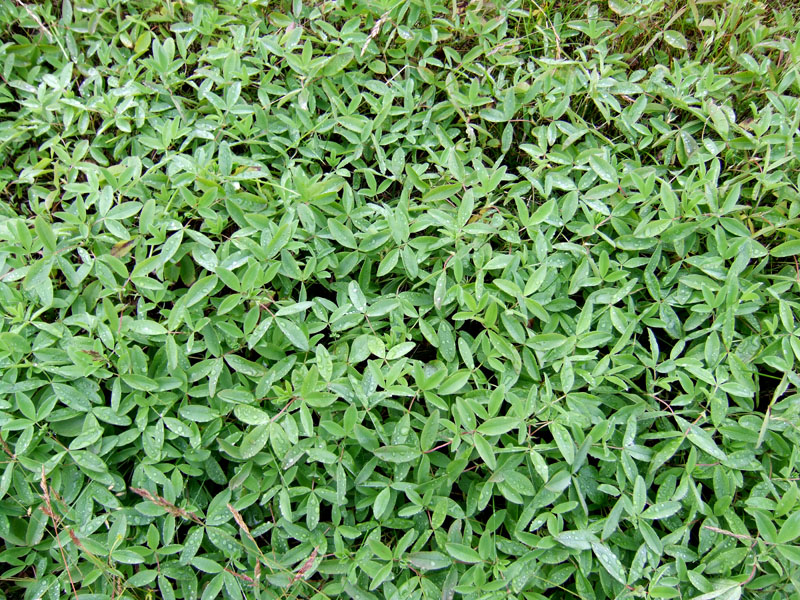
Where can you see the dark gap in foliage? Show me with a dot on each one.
(497, 504)
(425, 352)
(471, 327)
(318, 290)
(768, 381)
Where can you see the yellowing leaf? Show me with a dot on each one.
(121, 249)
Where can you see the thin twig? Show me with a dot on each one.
(376, 29)
(552, 28)
(738, 536)
(48, 510)
(43, 28)
(237, 516)
(283, 410)
(306, 565)
(655, 38)
(439, 447)
(175, 511)
(6, 449)
(249, 580)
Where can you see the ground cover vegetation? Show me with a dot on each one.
(399, 299)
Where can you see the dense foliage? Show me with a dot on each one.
(406, 300)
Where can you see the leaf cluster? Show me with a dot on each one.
(399, 300)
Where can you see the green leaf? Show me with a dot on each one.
(88, 460)
(324, 362)
(293, 333)
(199, 290)
(250, 415)
(428, 561)
(397, 453)
(454, 382)
(128, 557)
(439, 290)
(342, 234)
(676, 39)
(559, 481)
(430, 431)
(357, 296)
(225, 158)
(577, 539)
(442, 192)
(704, 441)
(543, 212)
(147, 328)
(198, 413)
(790, 553)
(719, 120)
(206, 565)
(44, 232)
(564, 442)
(13, 342)
(244, 366)
(609, 561)
(498, 425)
(790, 530)
(381, 502)
(400, 350)
(729, 591)
(485, 451)
(254, 441)
(463, 553)
(338, 62)
(790, 248)
(37, 274)
(279, 240)
(661, 510)
(603, 169)
(547, 341)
